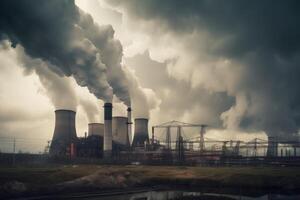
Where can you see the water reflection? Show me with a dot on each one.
(181, 195)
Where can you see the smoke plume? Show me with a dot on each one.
(248, 51)
(59, 89)
(91, 109)
(61, 35)
(143, 99)
(111, 54)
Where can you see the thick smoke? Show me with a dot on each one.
(111, 54)
(59, 89)
(143, 99)
(59, 33)
(91, 109)
(248, 50)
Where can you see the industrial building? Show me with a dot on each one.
(101, 140)
(112, 141)
(141, 136)
(64, 136)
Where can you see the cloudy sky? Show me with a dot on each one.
(233, 65)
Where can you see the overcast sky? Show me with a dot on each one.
(233, 65)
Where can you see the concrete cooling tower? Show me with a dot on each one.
(96, 129)
(120, 130)
(64, 136)
(140, 132)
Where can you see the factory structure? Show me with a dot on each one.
(167, 143)
(102, 140)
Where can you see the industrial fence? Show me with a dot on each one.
(24, 145)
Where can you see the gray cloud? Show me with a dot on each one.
(247, 50)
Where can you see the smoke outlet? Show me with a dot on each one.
(129, 125)
(64, 136)
(107, 147)
(119, 131)
(96, 129)
(140, 132)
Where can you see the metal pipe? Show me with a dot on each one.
(129, 124)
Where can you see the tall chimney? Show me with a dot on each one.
(64, 136)
(140, 132)
(107, 147)
(129, 124)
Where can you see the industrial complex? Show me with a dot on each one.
(114, 141)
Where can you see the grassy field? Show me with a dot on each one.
(110, 177)
(46, 175)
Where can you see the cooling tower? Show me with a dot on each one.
(96, 129)
(272, 147)
(107, 147)
(140, 132)
(119, 130)
(129, 124)
(64, 133)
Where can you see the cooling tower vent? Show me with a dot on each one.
(120, 130)
(96, 129)
(140, 132)
(64, 136)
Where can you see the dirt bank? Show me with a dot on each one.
(59, 179)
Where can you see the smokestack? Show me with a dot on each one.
(119, 130)
(64, 135)
(129, 124)
(96, 129)
(107, 147)
(140, 132)
(272, 147)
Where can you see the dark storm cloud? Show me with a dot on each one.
(262, 36)
(269, 24)
(52, 31)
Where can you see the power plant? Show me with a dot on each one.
(111, 141)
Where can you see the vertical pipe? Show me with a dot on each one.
(129, 124)
(202, 131)
(107, 147)
(152, 135)
(168, 138)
